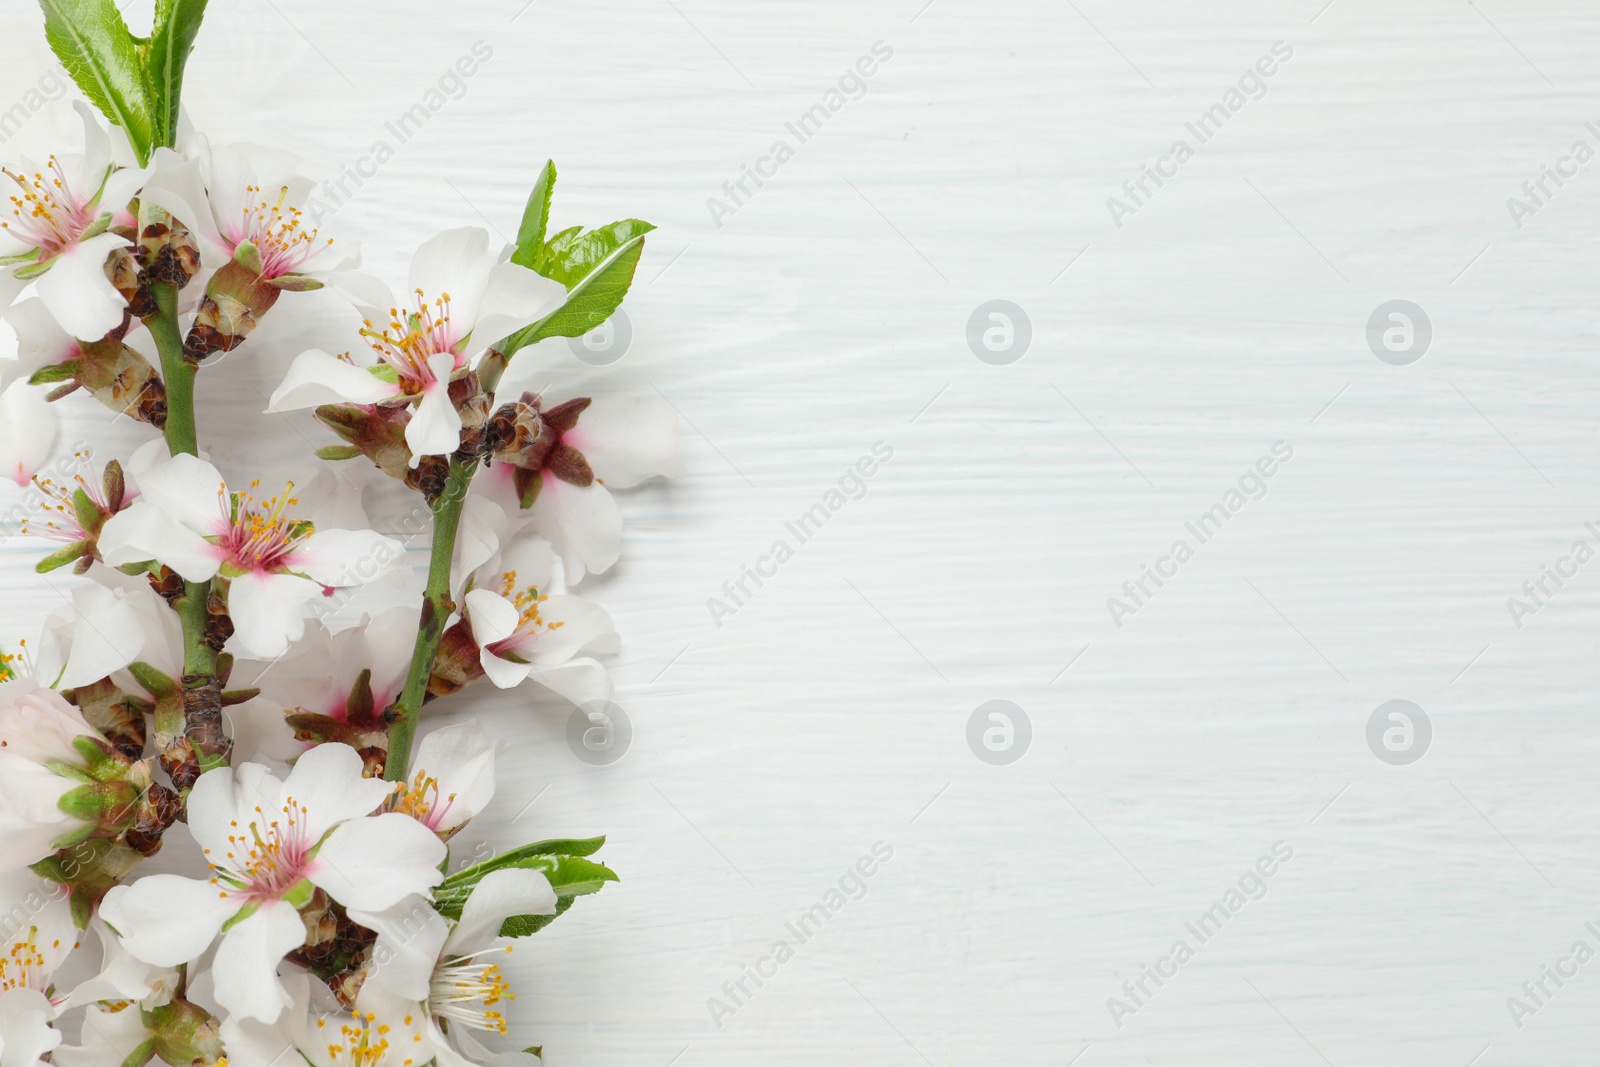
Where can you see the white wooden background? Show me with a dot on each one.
(1229, 313)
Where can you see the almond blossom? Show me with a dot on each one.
(36, 939)
(275, 563)
(465, 296)
(58, 233)
(270, 845)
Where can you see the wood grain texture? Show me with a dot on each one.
(830, 311)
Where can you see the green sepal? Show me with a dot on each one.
(34, 270)
(68, 770)
(61, 557)
(241, 915)
(86, 510)
(141, 1053)
(295, 283)
(155, 682)
(51, 373)
(300, 894)
(248, 256)
(338, 452)
(74, 837)
(384, 373)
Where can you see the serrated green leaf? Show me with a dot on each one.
(528, 925)
(176, 25)
(589, 303)
(570, 875)
(573, 255)
(94, 44)
(535, 218)
(561, 846)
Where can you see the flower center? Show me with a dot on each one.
(267, 858)
(420, 799)
(530, 620)
(23, 966)
(411, 337)
(466, 991)
(59, 511)
(362, 1041)
(259, 535)
(10, 661)
(49, 215)
(279, 233)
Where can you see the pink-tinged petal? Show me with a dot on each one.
(143, 533)
(501, 894)
(516, 297)
(435, 426)
(460, 759)
(28, 430)
(317, 378)
(189, 489)
(374, 863)
(268, 611)
(26, 1035)
(410, 935)
(326, 781)
(627, 440)
(77, 291)
(585, 627)
(494, 618)
(582, 522)
(341, 558)
(579, 681)
(457, 262)
(41, 342)
(166, 920)
(246, 966)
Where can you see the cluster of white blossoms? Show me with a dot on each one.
(312, 906)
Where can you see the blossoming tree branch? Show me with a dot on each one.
(322, 920)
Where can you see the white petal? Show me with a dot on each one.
(246, 967)
(483, 523)
(585, 628)
(516, 297)
(123, 976)
(26, 1035)
(189, 489)
(177, 187)
(504, 673)
(374, 863)
(410, 935)
(316, 378)
(144, 532)
(77, 291)
(435, 426)
(583, 522)
(107, 636)
(532, 560)
(627, 440)
(457, 262)
(165, 919)
(268, 611)
(341, 558)
(40, 339)
(579, 681)
(501, 894)
(461, 759)
(494, 618)
(28, 429)
(327, 782)
(109, 1036)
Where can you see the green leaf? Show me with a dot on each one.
(587, 846)
(535, 217)
(528, 925)
(171, 40)
(94, 44)
(589, 303)
(572, 255)
(569, 872)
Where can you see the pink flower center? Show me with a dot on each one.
(49, 215)
(258, 535)
(414, 336)
(279, 233)
(266, 858)
(530, 619)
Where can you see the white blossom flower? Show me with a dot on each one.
(275, 563)
(381, 1031)
(452, 780)
(229, 194)
(522, 630)
(454, 968)
(270, 844)
(58, 234)
(465, 297)
(36, 936)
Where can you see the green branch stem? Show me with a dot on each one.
(436, 610)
